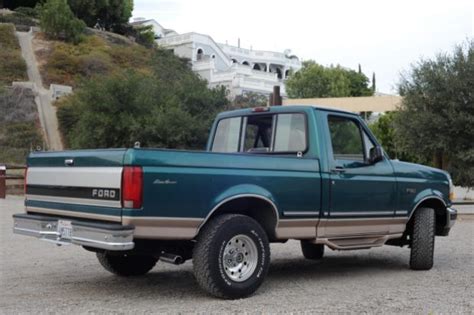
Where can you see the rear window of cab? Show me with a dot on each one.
(264, 133)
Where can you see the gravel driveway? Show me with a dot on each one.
(37, 277)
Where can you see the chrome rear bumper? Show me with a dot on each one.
(97, 235)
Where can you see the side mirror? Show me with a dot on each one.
(375, 154)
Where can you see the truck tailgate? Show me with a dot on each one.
(76, 184)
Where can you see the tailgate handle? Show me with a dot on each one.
(69, 162)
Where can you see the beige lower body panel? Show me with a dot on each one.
(296, 228)
(343, 233)
(346, 234)
(164, 228)
(350, 227)
(335, 233)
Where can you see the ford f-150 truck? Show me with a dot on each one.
(269, 174)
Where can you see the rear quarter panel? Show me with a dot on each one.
(187, 184)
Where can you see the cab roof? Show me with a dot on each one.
(280, 109)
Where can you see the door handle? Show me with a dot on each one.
(338, 169)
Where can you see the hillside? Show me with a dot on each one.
(124, 92)
(19, 124)
(12, 65)
(100, 53)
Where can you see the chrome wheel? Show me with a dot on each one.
(240, 258)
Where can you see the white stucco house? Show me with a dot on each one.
(240, 70)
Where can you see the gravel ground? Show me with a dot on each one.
(37, 277)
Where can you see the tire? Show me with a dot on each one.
(423, 239)
(231, 257)
(312, 251)
(127, 265)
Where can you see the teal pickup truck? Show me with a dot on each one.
(269, 174)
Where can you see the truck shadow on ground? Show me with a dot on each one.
(180, 280)
(336, 266)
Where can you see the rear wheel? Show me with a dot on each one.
(423, 239)
(231, 256)
(312, 251)
(127, 265)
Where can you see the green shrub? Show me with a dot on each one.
(61, 67)
(58, 21)
(18, 19)
(11, 155)
(171, 107)
(7, 37)
(27, 11)
(96, 63)
(21, 135)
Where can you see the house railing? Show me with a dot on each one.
(11, 178)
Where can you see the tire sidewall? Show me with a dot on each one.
(251, 229)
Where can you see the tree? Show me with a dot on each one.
(384, 130)
(359, 84)
(58, 21)
(249, 99)
(437, 115)
(170, 107)
(144, 35)
(315, 80)
(113, 15)
(13, 4)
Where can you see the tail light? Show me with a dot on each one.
(25, 182)
(132, 187)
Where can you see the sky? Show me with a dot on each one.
(384, 36)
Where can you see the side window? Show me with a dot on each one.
(346, 139)
(227, 135)
(290, 133)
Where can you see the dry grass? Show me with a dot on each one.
(19, 125)
(65, 63)
(12, 65)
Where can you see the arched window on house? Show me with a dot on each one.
(245, 63)
(257, 67)
(199, 54)
(234, 60)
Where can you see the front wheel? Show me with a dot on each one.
(231, 256)
(126, 265)
(422, 239)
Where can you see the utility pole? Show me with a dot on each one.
(275, 97)
(373, 82)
